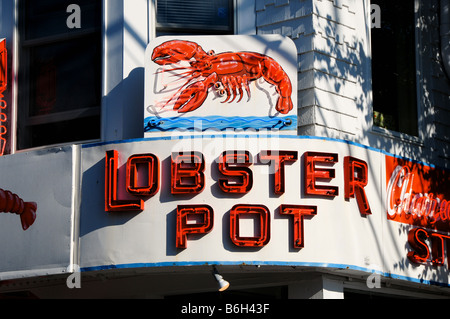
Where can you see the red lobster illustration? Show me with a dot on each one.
(227, 72)
(11, 203)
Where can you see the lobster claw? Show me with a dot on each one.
(191, 97)
(175, 51)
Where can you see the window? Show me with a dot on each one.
(194, 17)
(59, 73)
(394, 67)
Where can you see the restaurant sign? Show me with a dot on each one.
(242, 199)
(276, 200)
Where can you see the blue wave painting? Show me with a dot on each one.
(155, 124)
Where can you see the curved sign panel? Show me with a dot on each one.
(276, 200)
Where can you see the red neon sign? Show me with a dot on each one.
(3, 66)
(428, 246)
(3, 104)
(187, 176)
(417, 194)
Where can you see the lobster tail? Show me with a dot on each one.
(28, 216)
(274, 74)
(12, 203)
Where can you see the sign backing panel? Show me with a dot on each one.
(337, 235)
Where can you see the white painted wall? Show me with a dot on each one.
(335, 100)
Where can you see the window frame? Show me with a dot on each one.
(377, 130)
(22, 54)
(114, 34)
(196, 29)
(244, 17)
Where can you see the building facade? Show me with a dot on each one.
(325, 175)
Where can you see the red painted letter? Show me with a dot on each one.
(235, 165)
(184, 228)
(187, 173)
(298, 212)
(312, 174)
(278, 158)
(264, 225)
(152, 163)
(112, 204)
(356, 178)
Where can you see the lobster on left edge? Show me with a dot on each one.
(12, 203)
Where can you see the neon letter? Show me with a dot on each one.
(298, 212)
(184, 227)
(112, 203)
(3, 104)
(278, 158)
(235, 164)
(187, 173)
(152, 163)
(437, 248)
(416, 239)
(312, 174)
(356, 178)
(264, 225)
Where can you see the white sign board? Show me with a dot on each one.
(288, 201)
(211, 224)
